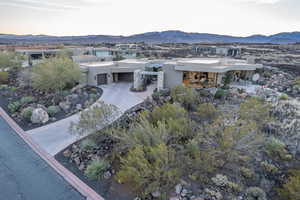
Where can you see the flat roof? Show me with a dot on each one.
(97, 64)
(133, 61)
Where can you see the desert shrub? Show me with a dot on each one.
(53, 110)
(184, 96)
(10, 60)
(270, 168)
(276, 148)
(27, 100)
(56, 74)
(88, 145)
(255, 193)
(149, 169)
(291, 189)
(3, 77)
(13, 89)
(207, 111)
(14, 107)
(296, 82)
(256, 110)
(220, 94)
(93, 97)
(246, 172)
(284, 97)
(96, 169)
(166, 112)
(95, 118)
(26, 113)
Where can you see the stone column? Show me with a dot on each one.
(137, 79)
(160, 81)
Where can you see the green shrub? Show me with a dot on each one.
(53, 110)
(255, 193)
(13, 89)
(3, 77)
(284, 97)
(87, 145)
(149, 169)
(166, 112)
(297, 81)
(183, 95)
(220, 94)
(276, 149)
(291, 189)
(93, 97)
(246, 172)
(270, 168)
(96, 169)
(26, 113)
(27, 100)
(207, 111)
(14, 107)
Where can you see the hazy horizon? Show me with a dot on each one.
(110, 17)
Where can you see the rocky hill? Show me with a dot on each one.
(151, 37)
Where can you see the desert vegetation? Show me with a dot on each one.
(187, 146)
(45, 92)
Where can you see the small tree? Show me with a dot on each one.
(10, 60)
(207, 111)
(291, 189)
(95, 118)
(184, 96)
(256, 110)
(56, 74)
(150, 169)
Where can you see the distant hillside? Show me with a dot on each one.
(151, 37)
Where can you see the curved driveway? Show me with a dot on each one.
(56, 136)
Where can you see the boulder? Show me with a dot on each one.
(39, 115)
(65, 106)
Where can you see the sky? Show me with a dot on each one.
(127, 17)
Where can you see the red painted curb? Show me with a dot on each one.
(73, 180)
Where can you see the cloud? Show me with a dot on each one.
(40, 5)
(260, 1)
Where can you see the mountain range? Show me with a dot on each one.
(151, 37)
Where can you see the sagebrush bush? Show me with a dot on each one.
(3, 77)
(255, 193)
(96, 169)
(183, 95)
(291, 189)
(276, 148)
(53, 110)
(207, 111)
(148, 169)
(27, 113)
(87, 145)
(27, 100)
(14, 107)
(220, 94)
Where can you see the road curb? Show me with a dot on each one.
(73, 180)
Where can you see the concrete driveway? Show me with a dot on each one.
(56, 136)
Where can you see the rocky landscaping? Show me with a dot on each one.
(209, 144)
(31, 108)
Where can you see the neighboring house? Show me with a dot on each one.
(194, 73)
(228, 51)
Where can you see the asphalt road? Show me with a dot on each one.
(26, 176)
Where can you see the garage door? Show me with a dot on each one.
(101, 79)
(125, 77)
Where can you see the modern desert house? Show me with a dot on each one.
(193, 73)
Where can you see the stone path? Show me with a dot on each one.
(56, 136)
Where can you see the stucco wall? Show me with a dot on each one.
(172, 78)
